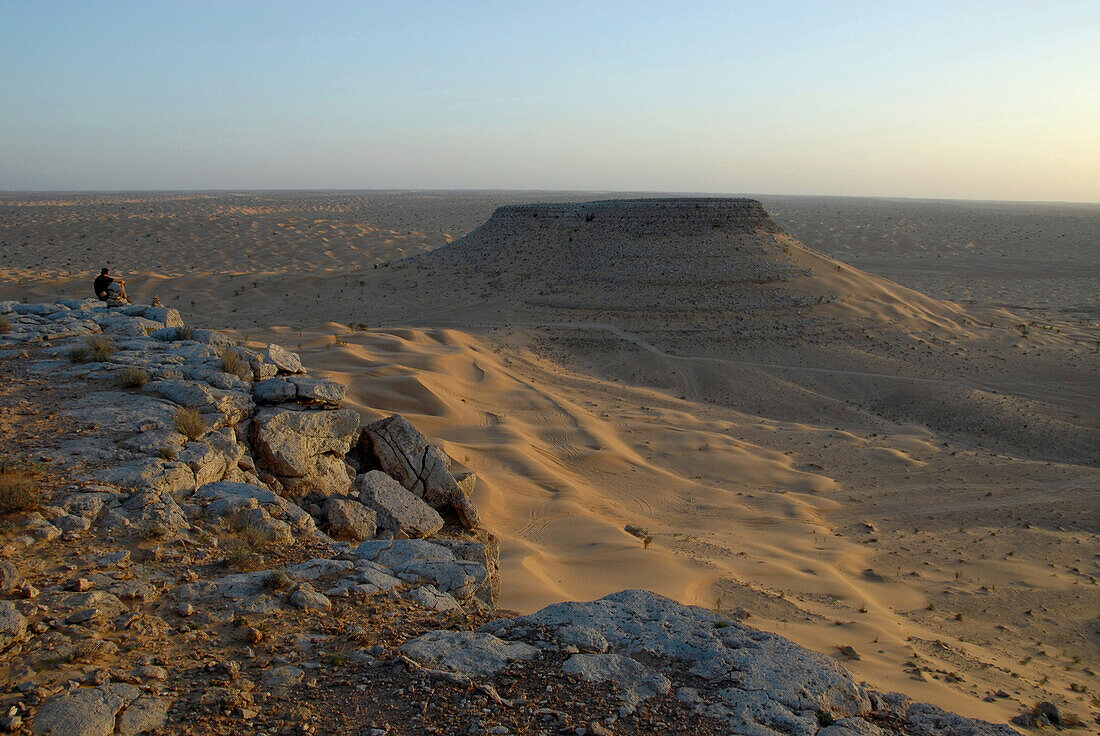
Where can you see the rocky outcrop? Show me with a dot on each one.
(646, 645)
(267, 452)
(399, 449)
(304, 449)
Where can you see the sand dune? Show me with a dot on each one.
(908, 471)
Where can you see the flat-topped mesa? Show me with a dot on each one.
(642, 217)
(629, 255)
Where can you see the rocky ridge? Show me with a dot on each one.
(196, 490)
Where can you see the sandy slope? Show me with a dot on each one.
(890, 473)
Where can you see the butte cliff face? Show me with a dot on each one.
(638, 254)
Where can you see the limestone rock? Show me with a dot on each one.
(208, 463)
(317, 390)
(923, 719)
(371, 577)
(317, 567)
(762, 680)
(463, 503)
(633, 680)
(306, 446)
(284, 676)
(284, 360)
(13, 625)
(83, 712)
(165, 315)
(274, 391)
(226, 408)
(469, 653)
(484, 549)
(145, 714)
(308, 599)
(227, 498)
(163, 476)
(431, 598)
(348, 519)
(260, 521)
(422, 563)
(853, 727)
(9, 576)
(397, 508)
(400, 450)
(329, 475)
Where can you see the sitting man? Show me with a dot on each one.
(109, 290)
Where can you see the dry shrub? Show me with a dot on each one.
(189, 423)
(102, 348)
(253, 537)
(185, 333)
(80, 354)
(134, 377)
(19, 489)
(277, 580)
(5, 326)
(89, 651)
(166, 453)
(234, 364)
(238, 555)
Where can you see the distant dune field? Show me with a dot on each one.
(868, 423)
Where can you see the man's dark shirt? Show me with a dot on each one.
(101, 284)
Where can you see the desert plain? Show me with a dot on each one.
(872, 427)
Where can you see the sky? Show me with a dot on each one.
(968, 100)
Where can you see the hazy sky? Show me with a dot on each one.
(997, 100)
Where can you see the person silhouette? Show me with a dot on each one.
(112, 291)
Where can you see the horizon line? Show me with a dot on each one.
(245, 190)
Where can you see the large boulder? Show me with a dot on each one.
(397, 508)
(318, 390)
(305, 449)
(284, 360)
(399, 449)
(757, 682)
(85, 711)
(424, 563)
(349, 519)
(214, 457)
(226, 408)
(230, 500)
(274, 391)
(483, 549)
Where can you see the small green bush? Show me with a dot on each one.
(102, 348)
(185, 333)
(134, 377)
(189, 423)
(166, 453)
(80, 354)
